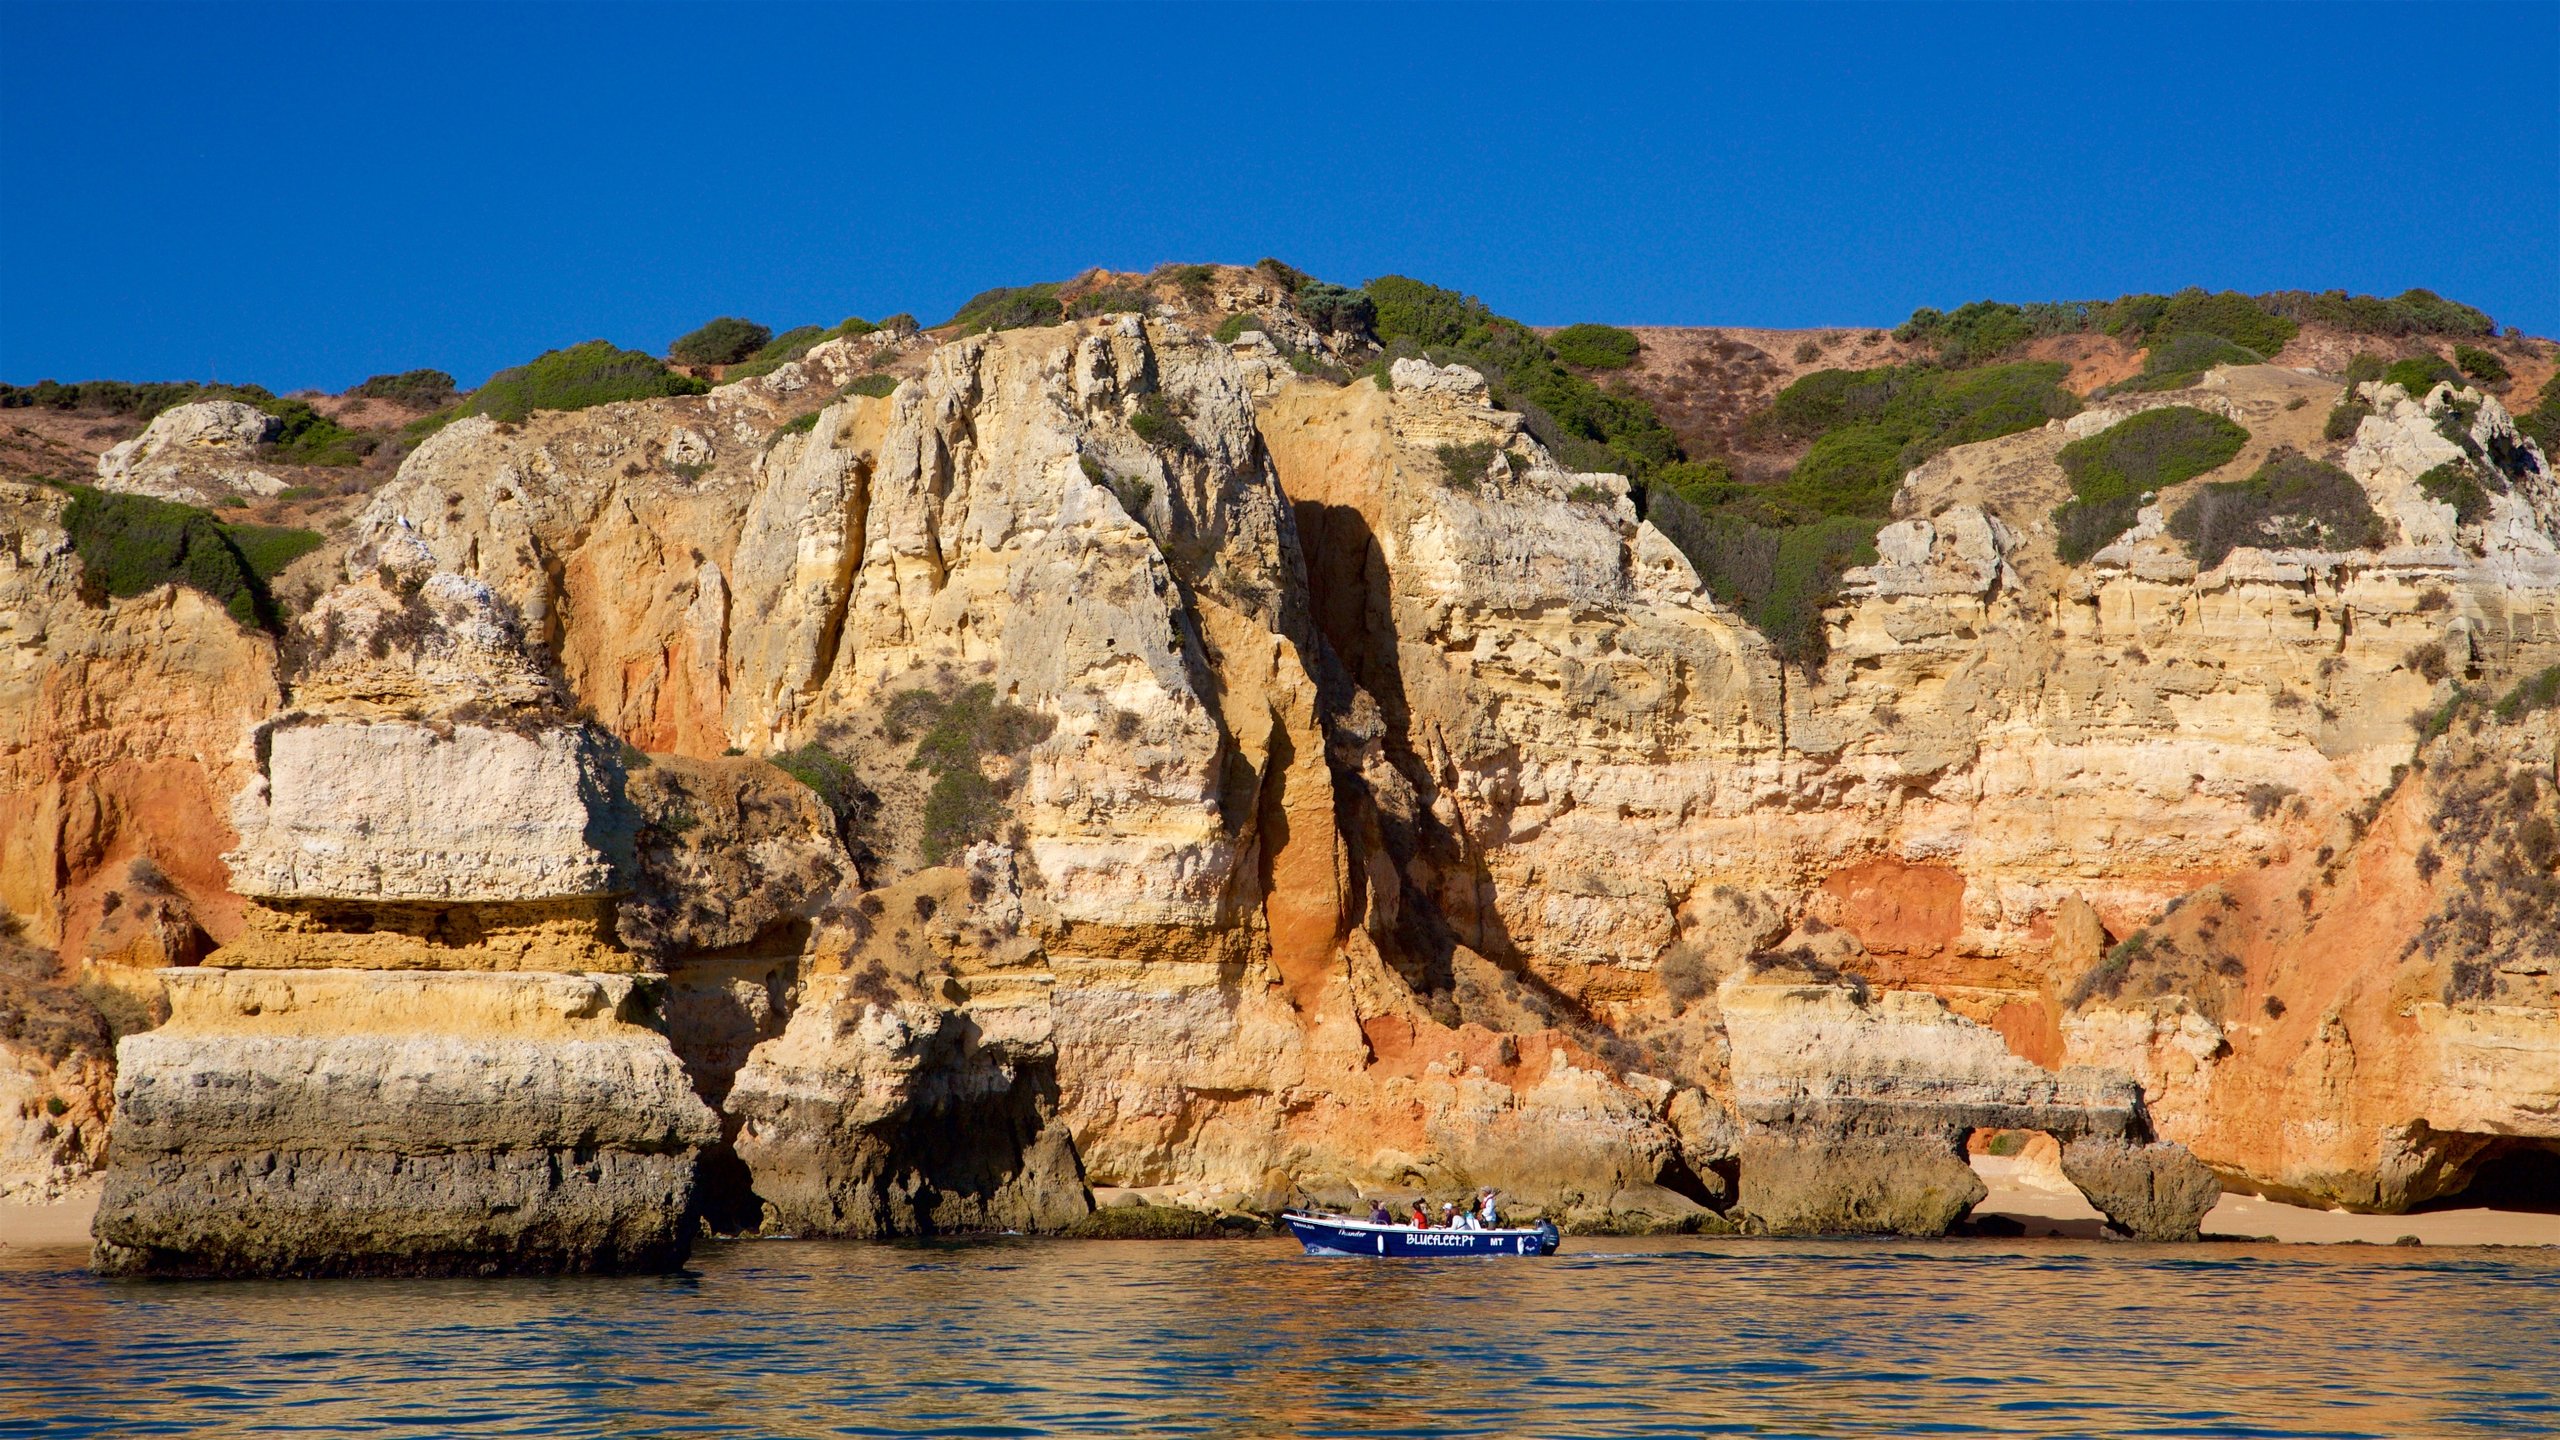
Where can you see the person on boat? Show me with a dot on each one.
(1484, 1209)
(1378, 1213)
(1448, 1216)
(1421, 1213)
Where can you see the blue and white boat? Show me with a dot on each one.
(1336, 1235)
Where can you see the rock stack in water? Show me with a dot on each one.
(427, 1055)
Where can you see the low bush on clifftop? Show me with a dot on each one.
(2480, 364)
(2421, 373)
(142, 400)
(1776, 553)
(1009, 308)
(2181, 360)
(1583, 425)
(2292, 502)
(724, 341)
(1595, 347)
(595, 373)
(417, 389)
(2112, 470)
(132, 544)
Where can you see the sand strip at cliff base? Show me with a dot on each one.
(2248, 1215)
(49, 1225)
(2047, 1205)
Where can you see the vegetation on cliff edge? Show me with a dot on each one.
(2292, 502)
(132, 544)
(2114, 469)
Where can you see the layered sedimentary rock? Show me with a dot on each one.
(367, 1096)
(1347, 797)
(1856, 1107)
(316, 1122)
(123, 731)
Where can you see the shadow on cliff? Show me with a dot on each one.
(1441, 900)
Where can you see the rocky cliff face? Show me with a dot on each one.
(1239, 786)
(413, 1061)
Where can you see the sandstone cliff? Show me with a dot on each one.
(1215, 789)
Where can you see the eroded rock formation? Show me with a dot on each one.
(348, 1087)
(1235, 786)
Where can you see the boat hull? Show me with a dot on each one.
(1325, 1235)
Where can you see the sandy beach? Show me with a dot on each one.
(55, 1225)
(2042, 1201)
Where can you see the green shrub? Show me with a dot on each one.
(416, 389)
(1156, 423)
(2480, 364)
(2149, 452)
(724, 341)
(1194, 281)
(1463, 467)
(2180, 361)
(797, 425)
(267, 549)
(1334, 309)
(790, 345)
(2263, 323)
(877, 384)
(419, 429)
(1586, 427)
(781, 350)
(1705, 484)
(963, 807)
(827, 773)
(143, 401)
(132, 544)
(2230, 315)
(1288, 277)
(2455, 485)
(1920, 409)
(1136, 493)
(2432, 723)
(2534, 692)
(1009, 308)
(1595, 347)
(1974, 334)
(308, 437)
(2108, 976)
(1234, 326)
(2421, 373)
(594, 373)
(1589, 495)
(1779, 576)
(2414, 312)
(1853, 470)
(2363, 366)
(2345, 417)
(2541, 425)
(1110, 300)
(2293, 501)
(1776, 553)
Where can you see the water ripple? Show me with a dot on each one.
(1611, 1339)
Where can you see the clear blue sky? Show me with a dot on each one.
(304, 195)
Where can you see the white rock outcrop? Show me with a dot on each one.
(192, 453)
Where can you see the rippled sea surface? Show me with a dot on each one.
(1640, 1338)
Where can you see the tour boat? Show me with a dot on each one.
(1338, 1235)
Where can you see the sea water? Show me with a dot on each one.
(1250, 1338)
